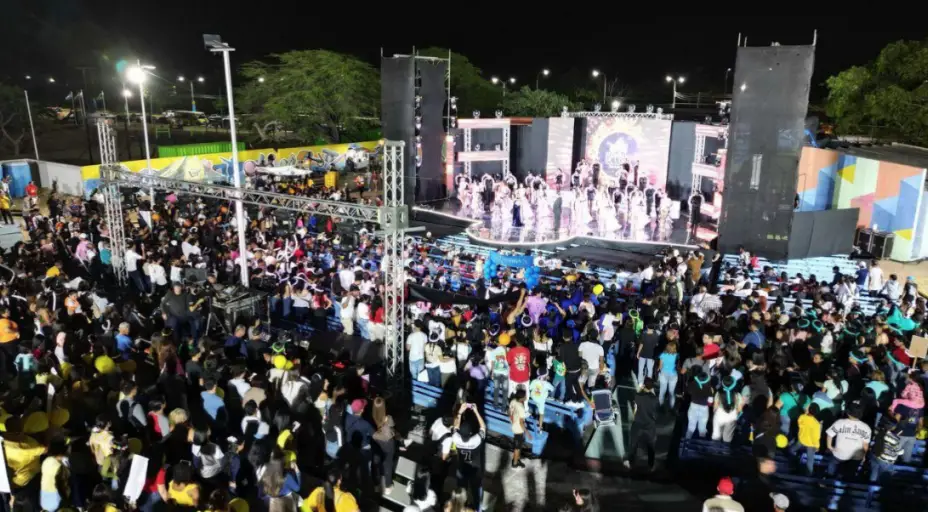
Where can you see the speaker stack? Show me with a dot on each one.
(879, 244)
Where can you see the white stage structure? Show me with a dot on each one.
(470, 154)
(393, 218)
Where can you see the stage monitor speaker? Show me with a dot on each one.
(864, 239)
(882, 246)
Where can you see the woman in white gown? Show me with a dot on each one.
(608, 217)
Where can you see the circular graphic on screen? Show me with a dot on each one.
(616, 149)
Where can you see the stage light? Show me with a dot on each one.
(260, 79)
(494, 80)
(743, 87)
(476, 114)
(180, 78)
(595, 73)
(615, 105)
(136, 75)
(597, 107)
(668, 78)
(546, 72)
(499, 114)
(512, 80)
(126, 93)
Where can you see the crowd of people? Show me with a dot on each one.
(96, 379)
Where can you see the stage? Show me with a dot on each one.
(499, 231)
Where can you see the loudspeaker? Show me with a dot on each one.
(864, 239)
(882, 245)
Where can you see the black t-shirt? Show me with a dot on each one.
(627, 336)
(570, 354)
(646, 410)
(649, 342)
(699, 395)
(908, 421)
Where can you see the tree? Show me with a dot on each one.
(887, 97)
(14, 119)
(314, 93)
(474, 92)
(530, 102)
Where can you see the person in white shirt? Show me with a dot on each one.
(347, 313)
(875, 279)
(157, 274)
(132, 259)
(415, 345)
(647, 273)
(592, 352)
(346, 276)
(189, 248)
(848, 440)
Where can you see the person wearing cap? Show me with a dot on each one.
(723, 501)
(780, 502)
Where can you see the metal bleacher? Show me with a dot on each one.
(821, 267)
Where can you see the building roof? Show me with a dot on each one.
(895, 153)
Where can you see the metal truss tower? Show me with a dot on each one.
(393, 218)
(115, 220)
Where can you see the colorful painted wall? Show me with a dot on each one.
(888, 195)
(322, 158)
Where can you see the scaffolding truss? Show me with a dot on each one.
(393, 217)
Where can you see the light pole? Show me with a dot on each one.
(193, 101)
(126, 94)
(544, 72)
(137, 74)
(725, 85)
(596, 74)
(495, 81)
(674, 81)
(214, 44)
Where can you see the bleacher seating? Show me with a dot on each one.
(556, 413)
(821, 267)
(819, 490)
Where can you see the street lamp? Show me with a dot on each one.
(674, 81)
(260, 79)
(544, 72)
(193, 101)
(496, 81)
(28, 77)
(596, 74)
(137, 74)
(51, 80)
(725, 85)
(214, 44)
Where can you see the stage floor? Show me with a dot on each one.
(496, 230)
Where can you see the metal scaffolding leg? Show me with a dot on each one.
(395, 221)
(112, 200)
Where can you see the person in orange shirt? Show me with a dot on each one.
(9, 334)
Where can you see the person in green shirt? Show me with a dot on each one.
(791, 404)
(560, 374)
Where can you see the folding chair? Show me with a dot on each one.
(603, 408)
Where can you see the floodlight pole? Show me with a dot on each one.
(151, 190)
(237, 180)
(35, 145)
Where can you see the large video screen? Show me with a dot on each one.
(613, 141)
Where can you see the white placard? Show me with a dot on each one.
(136, 481)
(4, 478)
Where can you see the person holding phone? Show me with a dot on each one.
(467, 441)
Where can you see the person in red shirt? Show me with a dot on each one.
(32, 194)
(520, 368)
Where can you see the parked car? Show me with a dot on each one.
(181, 118)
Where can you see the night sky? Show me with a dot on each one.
(167, 33)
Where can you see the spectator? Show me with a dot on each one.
(723, 500)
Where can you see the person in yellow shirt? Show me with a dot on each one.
(9, 349)
(330, 497)
(23, 453)
(5, 203)
(54, 476)
(810, 436)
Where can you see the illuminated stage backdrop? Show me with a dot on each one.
(612, 141)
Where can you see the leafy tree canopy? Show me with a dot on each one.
(14, 119)
(314, 93)
(530, 102)
(888, 97)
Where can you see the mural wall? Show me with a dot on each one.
(219, 165)
(889, 195)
